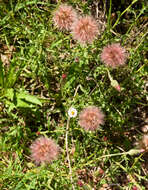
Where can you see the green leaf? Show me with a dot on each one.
(10, 104)
(68, 83)
(12, 76)
(22, 104)
(24, 97)
(55, 44)
(1, 74)
(9, 93)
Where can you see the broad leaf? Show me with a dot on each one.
(28, 98)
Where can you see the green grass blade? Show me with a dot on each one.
(1, 74)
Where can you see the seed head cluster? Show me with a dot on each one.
(44, 150)
(64, 17)
(113, 55)
(91, 118)
(85, 29)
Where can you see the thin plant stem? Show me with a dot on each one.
(109, 15)
(134, 1)
(117, 154)
(66, 142)
(67, 151)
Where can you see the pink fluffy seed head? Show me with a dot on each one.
(113, 55)
(85, 30)
(64, 17)
(44, 150)
(91, 118)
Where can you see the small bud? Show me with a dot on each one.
(64, 76)
(76, 59)
(118, 88)
(101, 171)
(142, 150)
(105, 138)
(80, 184)
(72, 150)
(134, 151)
(38, 133)
(134, 188)
(116, 85)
